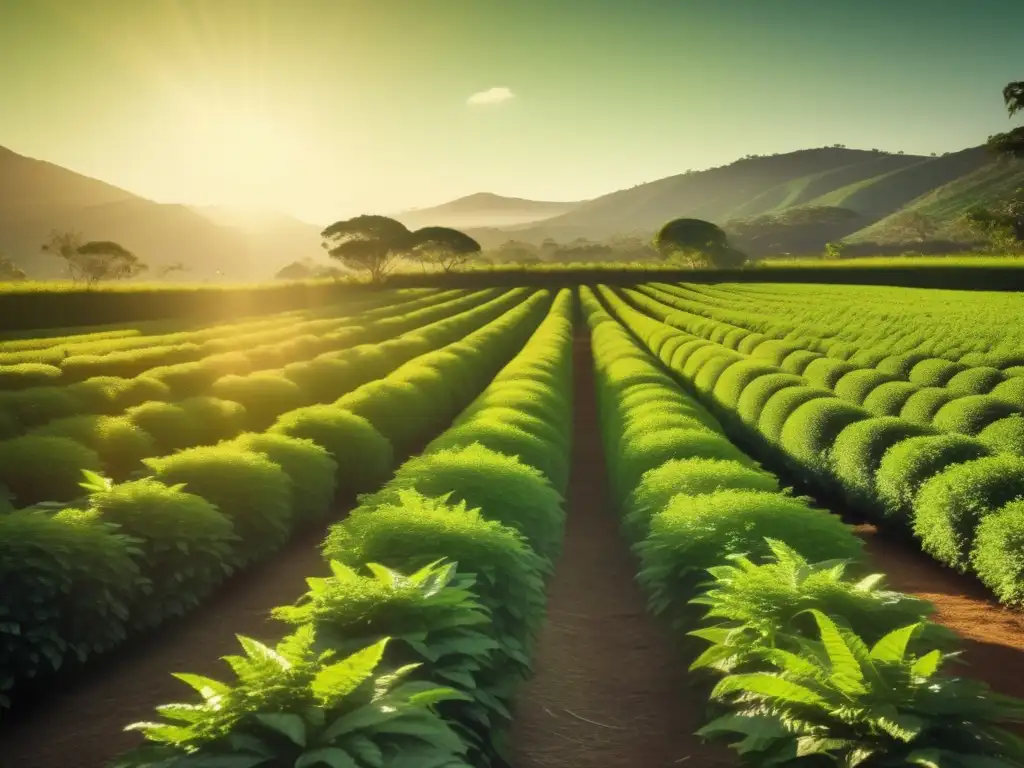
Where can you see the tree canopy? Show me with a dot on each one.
(1010, 143)
(697, 242)
(95, 260)
(375, 243)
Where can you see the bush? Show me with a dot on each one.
(324, 379)
(364, 457)
(910, 463)
(730, 386)
(998, 553)
(112, 395)
(501, 487)
(750, 342)
(922, 406)
(215, 419)
(120, 444)
(1011, 390)
(969, 415)
(975, 381)
(855, 386)
(184, 379)
(759, 391)
(692, 477)
(25, 375)
(901, 365)
(1005, 435)
(37, 468)
(888, 398)
(709, 374)
(397, 410)
(312, 470)
(249, 489)
(774, 350)
(183, 545)
(951, 504)
(418, 530)
(934, 372)
(38, 405)
(264, 395)
(798, 360)
(857, 453)
(782, 405)
(695, 533)
(170, 425)
(826, 372)
(812, 428)
(67, 584)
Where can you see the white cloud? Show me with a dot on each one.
(496, 95)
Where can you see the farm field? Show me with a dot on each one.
(607, 525)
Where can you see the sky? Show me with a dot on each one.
(325, 109)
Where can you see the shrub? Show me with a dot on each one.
(935, 372)
(708, 376)
(901, 365)
(975, 381)
(781, 406)
(324, 379)
(67, 584)
(734, 381)
(364, 457)
(750, 343)
(397, 410)
(112, 395)
(798, 360)
(418, 530)
(857, 453)
(759, 391)
(264, 395)
(170, 425)
(696, 361)
(922, 406)
(501, 487)
(120, 444)
(216, 419)
(681, 355)
(812, 428)
(910, 463)
(183, 545)
(855, 386)
(969, 415)
(998, 553)
(38, 405)
(1011, 390)
(774, 350)
(888, 398)
(249, 489)
(951, 504)
(312, 470)
(25, 375)
(692, 477)
(184, 379)
(36, 468)
(694, 533)
(1005, 435)
(826, 372)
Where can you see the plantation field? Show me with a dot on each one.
(603, 525)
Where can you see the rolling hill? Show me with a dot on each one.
(484, 209)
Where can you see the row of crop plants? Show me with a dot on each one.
(202, 405)
(953, 396)
(963, 500)
(84, 576)
(408, 654)
(806, 658)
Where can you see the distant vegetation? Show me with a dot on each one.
(90, 262)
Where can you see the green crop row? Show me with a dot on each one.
(959, 498)
(46, 464)
(128, 557)
(805, 665)
(916, 386)
(474, 529)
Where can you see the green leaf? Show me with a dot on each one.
(334, 757)
(892, 648)
(927, 665)
(385, 575)
(846, 672)
(366, 751)
(365, 717)
(207, 687)
(764, 684)
(287, 724)
(336, 681)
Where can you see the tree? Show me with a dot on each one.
(1001, 225)
(10, 272)
(371, 243)
(834, 251)
(443, 247)
(1011, 143)
(697, 242)
(95, 260)
(913, 226)
(1013, 96)
(175, 267)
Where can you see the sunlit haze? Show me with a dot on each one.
(327, 109)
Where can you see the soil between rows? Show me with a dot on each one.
(83, 726)
(609, 688)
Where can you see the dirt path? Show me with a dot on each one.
(83, 727)
(609, 689)
(993, 635)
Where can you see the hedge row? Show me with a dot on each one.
(946, 488)
(138, 553)
(437, 575)
(807, 664)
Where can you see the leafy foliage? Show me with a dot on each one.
(37, 468)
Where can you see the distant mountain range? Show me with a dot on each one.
(852, 194)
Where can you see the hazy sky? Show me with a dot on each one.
(332, 108)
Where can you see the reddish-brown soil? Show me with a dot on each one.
(993, 635)
(83, 727)
(610, 688)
